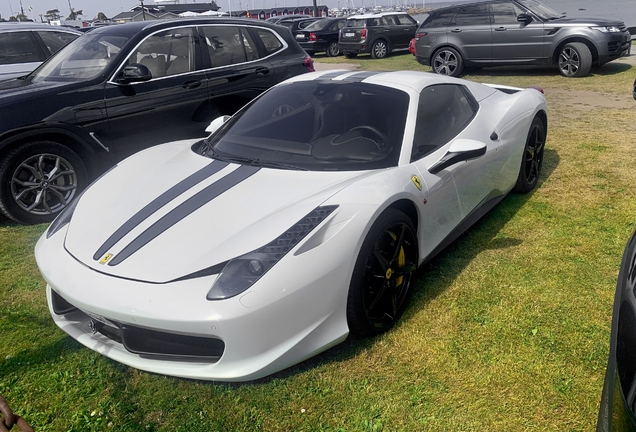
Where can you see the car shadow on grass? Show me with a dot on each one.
(612, 68)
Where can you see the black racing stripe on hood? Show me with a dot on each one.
(159, 202)
(186, 208)
(360, 76)
(331, 75)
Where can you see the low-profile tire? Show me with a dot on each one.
(380, 49)
(38, 179)
(382, 275)
(447, 61)
(532, 159)
(332, 49)
(350, 54)
(575, 60)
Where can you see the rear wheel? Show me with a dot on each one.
(382, 276)
(380, 49)
(39, 179)
(350, 54)
(532, 160)
(332, 49)
(575, 60)
(447, 61)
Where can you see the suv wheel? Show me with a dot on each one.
(39, 179)
(380, 49)
(447, 61)
(575, 60)
(332, 49)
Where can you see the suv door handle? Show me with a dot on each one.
(500, 29)
(262, 70)
(456, 31)
(386, 30)
(191, 84)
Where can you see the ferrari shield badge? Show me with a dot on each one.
(105, 259)
(416, 181)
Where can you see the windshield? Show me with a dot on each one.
(539, 9)
(316, 126)
(84, 58)
(318, 25)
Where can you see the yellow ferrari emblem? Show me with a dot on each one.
(416, 181)
(106, 258)
(389, 272)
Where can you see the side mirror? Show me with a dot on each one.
(134, 72)
(217, 123)
(460, 150)
(524, 18)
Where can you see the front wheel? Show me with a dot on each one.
(380, 49)
(332, 49)
(382, 275)
(447, 61)
(39, 179)
(532, 160)
(575, 60)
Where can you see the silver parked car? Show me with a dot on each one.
(516, 32)
(24, 45)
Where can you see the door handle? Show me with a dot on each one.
(262, 71)
(191, 84)
(386, 30)
(500, 29)
(456, 31)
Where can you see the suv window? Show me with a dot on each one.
(271, 42)
(444, 111)
(228, 45)
(505, 13)
(17, 47)
(170, 52)
(472, 15)
(405, 20)
(390, 20)
(356, 23)
(54, 41)
(439, 19)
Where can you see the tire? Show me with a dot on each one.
(332, 49)
(575, 60)
(310, 53)
(350, 54)
(39, 179)
(382, 275)
(380, 49)
(447, 61)
(532, 160)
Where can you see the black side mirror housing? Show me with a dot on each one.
(524, 18)
(134, 72)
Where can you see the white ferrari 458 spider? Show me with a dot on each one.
(299, 220)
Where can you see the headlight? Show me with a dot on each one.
(241, 273)
(607, 29)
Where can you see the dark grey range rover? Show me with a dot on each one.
(517, 32)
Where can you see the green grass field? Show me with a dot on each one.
(507, 329)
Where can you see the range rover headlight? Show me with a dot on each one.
(607, 29)
(242, 272)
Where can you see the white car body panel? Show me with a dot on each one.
(299, 307)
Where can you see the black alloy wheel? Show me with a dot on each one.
(532, 158)
(383, 274)
(39, 179)
(447, 61)
(332, 49)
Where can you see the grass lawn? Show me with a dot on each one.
(507, 329)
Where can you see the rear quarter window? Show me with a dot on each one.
(270, 41)
(356, 23)
(439, 19)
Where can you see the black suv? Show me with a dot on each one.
(321, 35)
(509, 32)
(378, 34)
(119, 89)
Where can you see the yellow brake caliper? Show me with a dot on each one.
(401, 261)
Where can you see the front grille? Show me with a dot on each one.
(145, 342)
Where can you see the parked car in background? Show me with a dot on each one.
(517, 32)
(275, 19)
(321, 36)
(119, 89)
(295, 24)
(24, 46)
(378, 34)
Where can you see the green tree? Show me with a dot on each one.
(75, 14)
(12, 18)
(21, 17)
(52, 15)
(101, 16)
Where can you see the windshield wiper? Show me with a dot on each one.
(253, 161)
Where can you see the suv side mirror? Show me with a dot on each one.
(134, 72)
(524, 18)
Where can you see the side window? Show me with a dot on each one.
(225, 45)
(271, 42)
(472, 15)
(56, 40)
(505, 13)
(444, 111)
(440, 19)
(389, 20)
(17, 47)
(406, 20)
(170, 52)
(341, 24)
